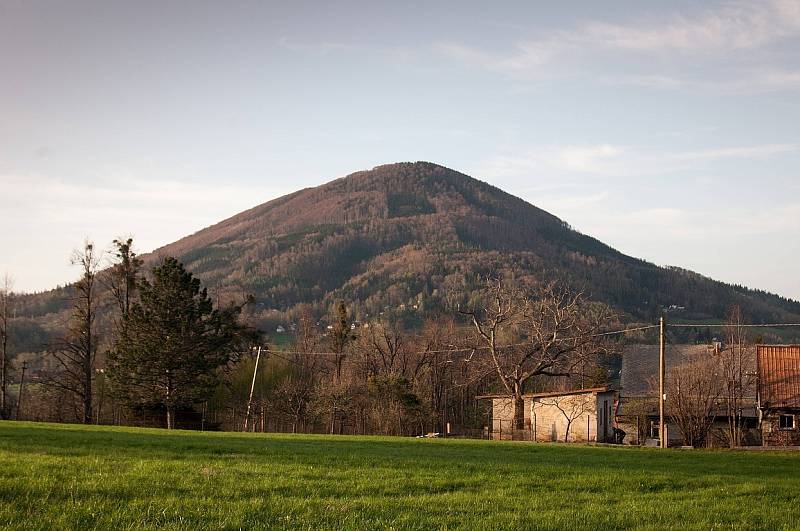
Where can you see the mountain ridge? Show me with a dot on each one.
(414, 238)
(421, 210)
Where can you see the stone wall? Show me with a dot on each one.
(552, 417)
(772, 433)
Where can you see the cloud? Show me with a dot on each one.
(732, 27)
(759, 151)
(724, 34)
(614, 160)
(583, 159)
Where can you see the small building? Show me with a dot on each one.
(583, 415)
(637, 410)
(779, 394)
(280, 329)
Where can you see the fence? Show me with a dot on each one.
(503, 430)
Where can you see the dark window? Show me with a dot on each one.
(786, 422)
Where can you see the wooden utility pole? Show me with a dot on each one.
(252, 387)
(661, 373)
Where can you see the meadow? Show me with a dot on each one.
(76, 477)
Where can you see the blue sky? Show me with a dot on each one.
(668, 130)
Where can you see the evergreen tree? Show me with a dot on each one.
(174, 342)
(340, 337)
(123, 274)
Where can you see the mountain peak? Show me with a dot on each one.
(412, 233)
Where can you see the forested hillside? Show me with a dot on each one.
(415, 239)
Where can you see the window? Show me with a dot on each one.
(786, 422)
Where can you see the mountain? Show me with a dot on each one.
(413, 238)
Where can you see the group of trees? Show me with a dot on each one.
(152, 347)
(147, 346)
(136, 342)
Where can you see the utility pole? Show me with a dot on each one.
(252, 387)
(661, 372)
(21, 387)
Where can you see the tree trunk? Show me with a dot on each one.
(519, 413)
(87, 390)
(3, 381)
(519, 408)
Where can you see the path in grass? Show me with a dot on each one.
(70, 476)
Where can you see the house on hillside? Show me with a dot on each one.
(637, 408)
(584, 415)
(779, 394)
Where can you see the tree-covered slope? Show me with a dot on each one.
(422, 234)
(416, 238)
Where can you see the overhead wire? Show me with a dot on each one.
(474, 348)
(726, 325)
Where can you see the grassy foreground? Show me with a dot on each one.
(66, 476)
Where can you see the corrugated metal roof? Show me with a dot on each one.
(779, 375)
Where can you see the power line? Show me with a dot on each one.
(468, 349)
(726, 325)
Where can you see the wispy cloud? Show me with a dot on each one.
(759, 151)
(731, 27)
(615, 160)
(706, 35)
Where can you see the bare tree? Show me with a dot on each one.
(693, 391)
(571, 407)
(336, 392)
(737, 366)
(295, 393)
(546, 331)
(5, 363)
(75, 352)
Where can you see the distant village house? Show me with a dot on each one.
(779, 394)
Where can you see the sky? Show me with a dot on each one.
(669, 130)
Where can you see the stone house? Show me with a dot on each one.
(583, 415)
(779, 394)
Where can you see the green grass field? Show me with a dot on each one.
(66, 476)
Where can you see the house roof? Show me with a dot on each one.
(552, 393)
(639, 375)
(779, 375)
(640, 366)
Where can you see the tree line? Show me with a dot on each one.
(152, 347)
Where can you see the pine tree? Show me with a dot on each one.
(174, 342)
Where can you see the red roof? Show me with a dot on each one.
(779, 376)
